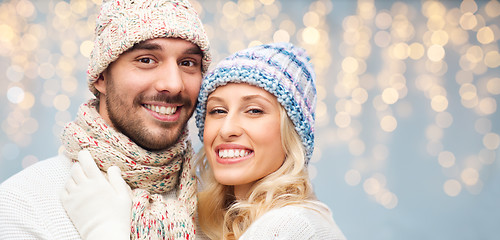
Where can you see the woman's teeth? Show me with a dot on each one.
(230, 153)
(161, 109)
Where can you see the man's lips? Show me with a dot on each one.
(165, 113)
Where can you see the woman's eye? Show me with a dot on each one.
(217, 111)
(146, 60)
(255, 111)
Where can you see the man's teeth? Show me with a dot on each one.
(161, 109)
(230, 153)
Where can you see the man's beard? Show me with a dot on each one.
(134, 128)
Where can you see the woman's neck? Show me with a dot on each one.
(241, 191)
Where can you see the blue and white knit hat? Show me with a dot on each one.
(279, 68)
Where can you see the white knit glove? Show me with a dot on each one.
(100, 208)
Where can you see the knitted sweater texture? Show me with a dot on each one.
(295, 222)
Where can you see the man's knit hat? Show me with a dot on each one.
(279, 68)
(123, 23)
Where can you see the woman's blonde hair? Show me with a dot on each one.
(221, 216)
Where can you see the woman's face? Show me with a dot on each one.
(242, 137)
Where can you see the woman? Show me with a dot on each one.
(255, 116)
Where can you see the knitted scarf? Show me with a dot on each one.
(148, 173)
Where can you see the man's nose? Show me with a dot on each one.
(170, 78)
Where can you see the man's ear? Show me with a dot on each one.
(100, 84)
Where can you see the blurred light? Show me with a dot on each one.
(69, 48)
(468, 91)
(439, 103)
(230, 10)
(388, 123)
(434, 132)
(435, 53)
(350, 65)
(434, 147)
(444, 119)
(310, 35)
(267, 2)
(470, 176)
(493, 86)
(28, 101)
(356, 147)
(487, 156)
(390, 95)
(452, 188)
(25, 9)
(46, 70)
(491, 141)
(263, 22)
(492, 9)
(383, 20)
(342, 119)
(468, 21)
(400, 50)
(459, 36)
(487, 106)
(311, 19)
(483, 125)
(371, 186)
(417, 51)
(492, 59)
(382, 39)
(86, 48)
(468, 6)
(29, 42)
(281, 36)
(15, 94)
(485, 35)
(288, 26)
(446, 159)
(15, 73)
(474, 54)
(62, 102)
(62, 10)
(352, 177)
(360, 95)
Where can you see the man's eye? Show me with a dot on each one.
(146, 60)
(187, 63)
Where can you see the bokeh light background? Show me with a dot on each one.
(407, 133)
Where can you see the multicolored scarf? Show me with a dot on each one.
(148, 173)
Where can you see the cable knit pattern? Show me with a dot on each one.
(148, 173)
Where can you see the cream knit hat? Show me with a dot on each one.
(123, 23)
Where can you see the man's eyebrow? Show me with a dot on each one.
(145, 46)
(155, 46)
(194, 50)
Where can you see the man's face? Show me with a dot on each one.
(149, 93)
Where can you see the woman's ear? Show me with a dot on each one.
(100, 84)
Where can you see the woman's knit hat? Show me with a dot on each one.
(123, 23)
(279, 68)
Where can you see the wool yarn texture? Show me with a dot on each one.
(147, 173)
(283, 70)
(123, 23)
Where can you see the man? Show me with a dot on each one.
(145, 71)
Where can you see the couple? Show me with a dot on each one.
(255, 116)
